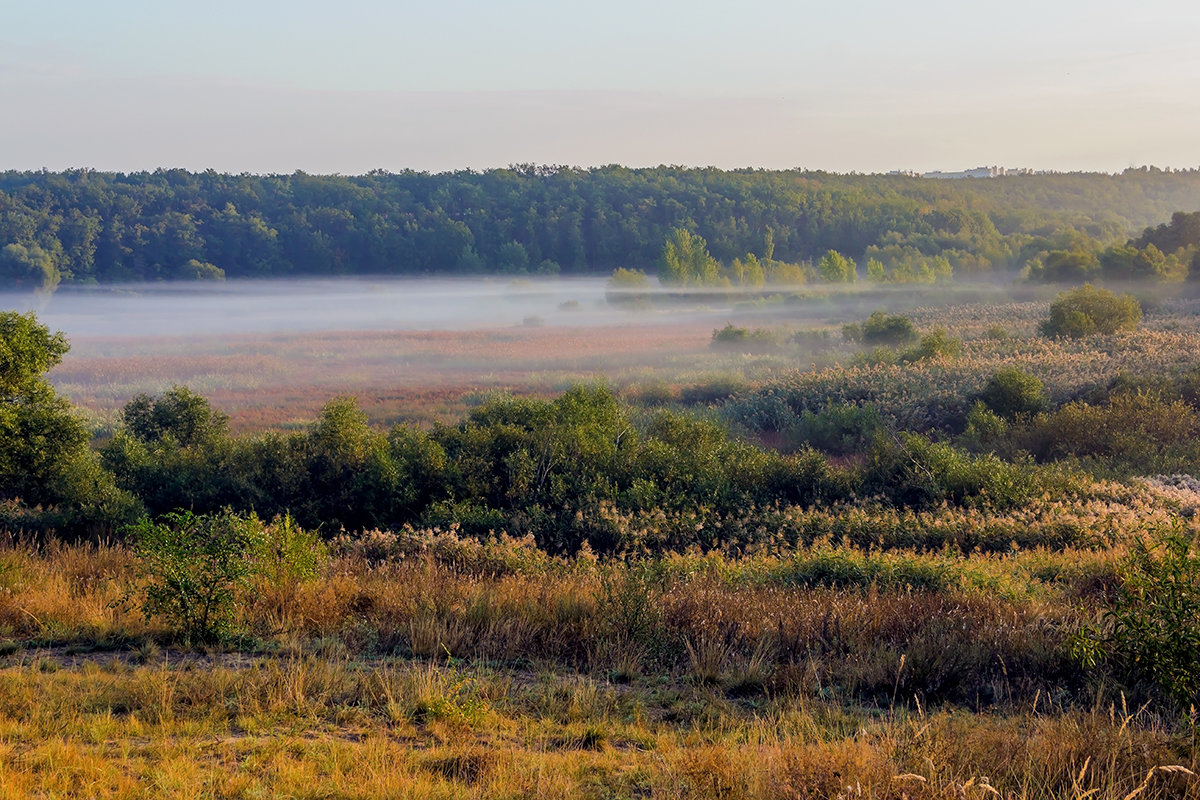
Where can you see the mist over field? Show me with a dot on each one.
(364, 304)
(349, 304)
(243, 307)
(273, 352)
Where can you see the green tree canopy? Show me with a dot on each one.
(836, 268)
(44, 453)
(29, 267)
(685, 261)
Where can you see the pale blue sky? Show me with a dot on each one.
(265, 86)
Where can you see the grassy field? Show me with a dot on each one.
(870, 647)
(423, 664)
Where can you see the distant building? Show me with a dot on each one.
(978, 172)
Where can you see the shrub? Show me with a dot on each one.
(714, 390)
(628, 286)
(283, 553)
(758, 340)
(912, 471)
(1152, 635)
(984, 427)
(814, 341)
(893, 330)
(194, 568)
(838, 428)
(1088, 310)
(1011, 393)
(180, 413)
(1140, 431)
(936, 344)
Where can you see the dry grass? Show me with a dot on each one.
(484, 670)
(227, 726)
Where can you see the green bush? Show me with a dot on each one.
(912, 471)
(712, 391)
(194, 568)
(1012, 393)
(1088, 310)
(935, 344)
(759, 340)
(838, 428)
(1135, 432)
(882, 329)
(284, 554)
(1153, 635)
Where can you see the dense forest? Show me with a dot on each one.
(83, 226)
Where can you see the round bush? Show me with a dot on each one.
(1011, 393)
(1088, 310)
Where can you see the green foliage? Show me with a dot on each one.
(935, 344)
(107, 227)
(284, 554)
(836, 268)
(1063, 266)
(351, 480)
(838, 428)
(628, 287)
(1134, 432)
(179, 413)
(685, 261)
(844, 567)
(512, 257)
(759, 340)
(631, 599)
(174, 451)
(875, 271)
(622, 278)
(1011, 393)
(1151, 635)
(1129, 263)
(713, 391)
(914, 472)
(194, 568)
(1088, 310)
(29, 267)
(984, 427)
(817, 341)
(194, 270)
(882, 329)
(1182, 232)
(44, 454)
(27, 350)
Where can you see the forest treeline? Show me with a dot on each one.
(84, 226)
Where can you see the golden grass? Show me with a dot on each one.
(468, 670)
(228, 726)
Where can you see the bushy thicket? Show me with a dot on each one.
(567, 471)
(1089, 310)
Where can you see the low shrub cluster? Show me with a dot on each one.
(758, 340)
(1089, 310)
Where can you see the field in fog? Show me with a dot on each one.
(272, 353)
(802, 541)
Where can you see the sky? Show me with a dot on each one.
(262, 86)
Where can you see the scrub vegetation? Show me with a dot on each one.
(854, 547)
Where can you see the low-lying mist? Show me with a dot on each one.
(272, 352)
(407, 304)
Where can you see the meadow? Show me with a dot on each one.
(425, 664)
(764, 551)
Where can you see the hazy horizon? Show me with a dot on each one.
(864, 87)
